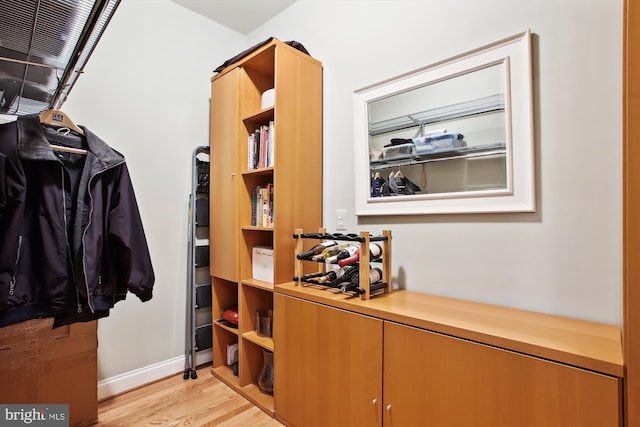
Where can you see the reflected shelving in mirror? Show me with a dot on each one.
(458, 128)
(498, 148)
(422, 118)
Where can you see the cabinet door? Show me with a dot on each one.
(223, 229)
(437, 380)
(328, 365)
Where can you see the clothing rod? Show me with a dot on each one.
(20, 61)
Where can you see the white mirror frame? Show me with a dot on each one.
(519, 196)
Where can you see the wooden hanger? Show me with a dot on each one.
(68, 149)
(58, 118)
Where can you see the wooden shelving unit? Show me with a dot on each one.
(295, 174)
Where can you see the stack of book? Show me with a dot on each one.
(261, 147)
(262, 206)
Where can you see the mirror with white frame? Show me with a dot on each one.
(452, 137)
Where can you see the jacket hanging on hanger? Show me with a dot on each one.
(73, 243)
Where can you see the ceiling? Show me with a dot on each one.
(242, 16)
(41, 60)
(44, 47)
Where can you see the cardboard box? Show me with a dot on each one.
(40, 365)
(262, 263)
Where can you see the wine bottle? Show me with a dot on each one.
(316, 249)
(350, 287)
(330, 251)
(343, 253)
(375, 288)
(335, 277)
(332, 276)
(350, 260)
(375, 251)
(375, 274)
(306, 277)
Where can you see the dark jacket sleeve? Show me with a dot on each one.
(12, 187)
(128, 244)
(11, 173)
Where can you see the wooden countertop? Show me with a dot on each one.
(585, 344)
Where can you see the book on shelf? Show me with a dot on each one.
(260, 147)
(262, 206)
(232, 353)
(272, 143)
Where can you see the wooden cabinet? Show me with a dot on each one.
(439, 380)
(409, 359)
(224, 183)
(293, 177)
(329, 364)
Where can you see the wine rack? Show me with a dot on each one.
(366, 289)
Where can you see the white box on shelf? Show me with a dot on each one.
(268, 98)
(262, 263)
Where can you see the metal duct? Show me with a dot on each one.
(44, 46)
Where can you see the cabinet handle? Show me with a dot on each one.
(374, 401)
(388, 407)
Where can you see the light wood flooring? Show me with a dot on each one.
(205, 401)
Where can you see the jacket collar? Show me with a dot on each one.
(33, 144)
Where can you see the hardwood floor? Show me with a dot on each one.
(175, 401)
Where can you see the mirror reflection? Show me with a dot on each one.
(448, 136)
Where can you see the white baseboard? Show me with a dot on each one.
(118, 384)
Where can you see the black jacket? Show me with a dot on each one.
(72, 241)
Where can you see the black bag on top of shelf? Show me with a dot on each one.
(292, 43)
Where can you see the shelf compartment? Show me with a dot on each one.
(264, 342)
(251, 362)
(261, 400)
(226, 327)
(258, 77)
(260, 68)
(255, 228)
(249, 200)
(253, 236)
(459, 110)
(498, 148)
(260, 118)
(225, 374)
(259, 284)
(222, 337)
(254, 300)
(224, 295)
(259, 171)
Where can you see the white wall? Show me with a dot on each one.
(564, 259)
(146, 92)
